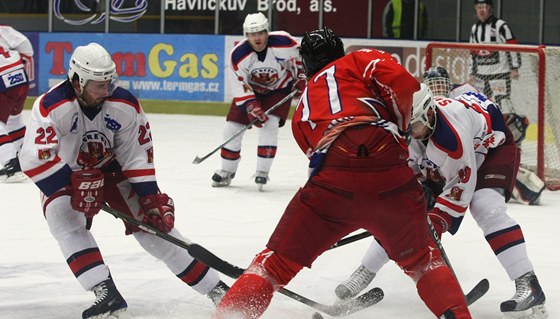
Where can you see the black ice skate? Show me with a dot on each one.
(222, 178)
(358, 281)
(108, 302)
(217, 293)
(528, 301)
(261, 178)
(11, 172)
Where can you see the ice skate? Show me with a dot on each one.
(261, 178)
(222, 178)
(528, 301)
(11, 172)
(108, 302)
(217, 293)
(357, 282)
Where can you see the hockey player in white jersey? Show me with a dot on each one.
(89, 142)
(16, 71)
(264, 68)
(464, 145)
(528, 186)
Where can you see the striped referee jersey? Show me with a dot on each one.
(494, 31)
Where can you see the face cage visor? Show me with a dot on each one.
(440, 86)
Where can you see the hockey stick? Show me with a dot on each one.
(350, 239)
(479, 290)
(198, 160)
(204, 255)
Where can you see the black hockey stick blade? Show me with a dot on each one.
(478, 291)
(366, 300)
(361, 302)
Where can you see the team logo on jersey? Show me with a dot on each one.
(95, 149)
(456, 193)
(150, 155)
(74, 126)
(111, 124)
(44, 154)
(264, 76)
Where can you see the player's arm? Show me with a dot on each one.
(39, 156)
(460, 173)
(135, 152)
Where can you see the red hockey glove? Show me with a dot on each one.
(440, 219)
(300, 85)
(87, 196)
(159, 211)
(255, 111)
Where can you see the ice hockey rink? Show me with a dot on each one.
(234, 223)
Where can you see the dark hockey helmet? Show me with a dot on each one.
(490, 2)
(438, 80)
(319, 48)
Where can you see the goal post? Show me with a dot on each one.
(535, 94)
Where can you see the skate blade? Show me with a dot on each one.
(536, 312)
(120, 314)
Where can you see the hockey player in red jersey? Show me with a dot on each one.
(264, 68)
(348, 122)
(89, 142)
(16, 71)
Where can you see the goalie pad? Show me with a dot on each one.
(528, 187)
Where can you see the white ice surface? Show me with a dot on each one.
(235, 223)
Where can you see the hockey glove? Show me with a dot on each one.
(299, 85)
(159, 211)
(87, 191)
(440, 219)
(255, 111)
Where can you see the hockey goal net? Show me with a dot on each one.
(535, 94)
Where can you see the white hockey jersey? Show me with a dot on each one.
(275, 68)
(61, 136)
(466, 128)
(14, 47)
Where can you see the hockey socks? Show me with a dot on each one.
(248, 298)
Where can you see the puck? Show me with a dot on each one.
(317, 316)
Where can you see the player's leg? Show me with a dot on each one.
(372, 261)
(12, 131)
(506, 239)
(266, 149)
(231, 152)
(504, 235)
(70, 229)
(302, 234)
(197, 275)
(268, 134)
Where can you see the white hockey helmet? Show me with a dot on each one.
(92, 62)
(255, 22)
(422, 102)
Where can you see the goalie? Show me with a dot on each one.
(528, 186)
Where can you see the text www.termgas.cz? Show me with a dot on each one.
(165, 85)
